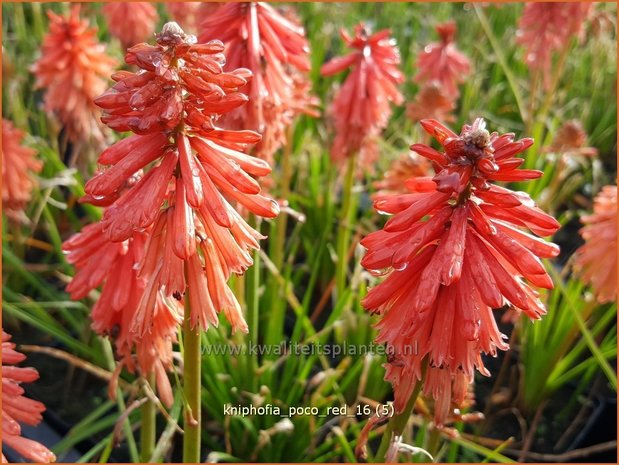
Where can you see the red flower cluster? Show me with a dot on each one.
(545, 28)
(131, 22)
(432, 102)
(596, 260)
(18, 165)
(570, 140)
(408, 166)
(171, 229)
(276, 51)
(453, 251)
(443, 62)
(17, 408)
(73, 69)
(184, 13)
(361, 108)
(100, 261)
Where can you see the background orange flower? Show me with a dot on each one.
(18, 168)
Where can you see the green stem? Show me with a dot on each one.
(253, 315)
(277, 303)
(557, 75)
(344, 227)
(542, 112)
(120, 401)
(434, 440)
(397, 423)
(192, 387)
(282, 220)
(498, 51)
(148, 429)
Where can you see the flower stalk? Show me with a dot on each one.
(148, 430)
(398, 422)
(192, 385)
(280, 227)
(349, 206)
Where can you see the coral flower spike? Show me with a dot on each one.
(431, 102)
(546, 27)
(596, 260)
(131, 22)
(193, 170)
(184, 13)
(113, 264)
(73, 70)
(443, 62)
(274, 48)
(453, 250)
(361, 108)
(17, 408)
(18, 167)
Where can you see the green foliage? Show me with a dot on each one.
(289, 296)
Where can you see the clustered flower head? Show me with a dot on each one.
(361, 108)
(432, 102)
(17, 408)
(184, 13)
(548, 27)
(18, 167)
(455, 249)
(73, 69)
(408, 166)
(596, 260)
(275, 49)
(170, 227)
(443, 62)
(131, 22)
(570, 140)
(99, 261)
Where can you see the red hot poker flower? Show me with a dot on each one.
(18, 166)
(361, 108)
(113, 264)
(570, 140)
(409, 166)
(276, 51)
(596, 260)
(17, 408)
(432, 102)
(198, 239)
(443, 62)
(131, 22)
(453, 251)
(73, 69)
(545, 28)
(184, 13)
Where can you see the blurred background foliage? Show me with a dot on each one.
(558, 368)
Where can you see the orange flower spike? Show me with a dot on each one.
(18, 167)
(98, 261)
(73, 69)
(361, 108)
(443, 62)
(545, 28)
(570, 140)
(431, 102)
(453, 251)
(172, 105)
(17, 408)
(274, 48)
(184, 13)
(131, 22)
(408, 168)
(596, 260)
